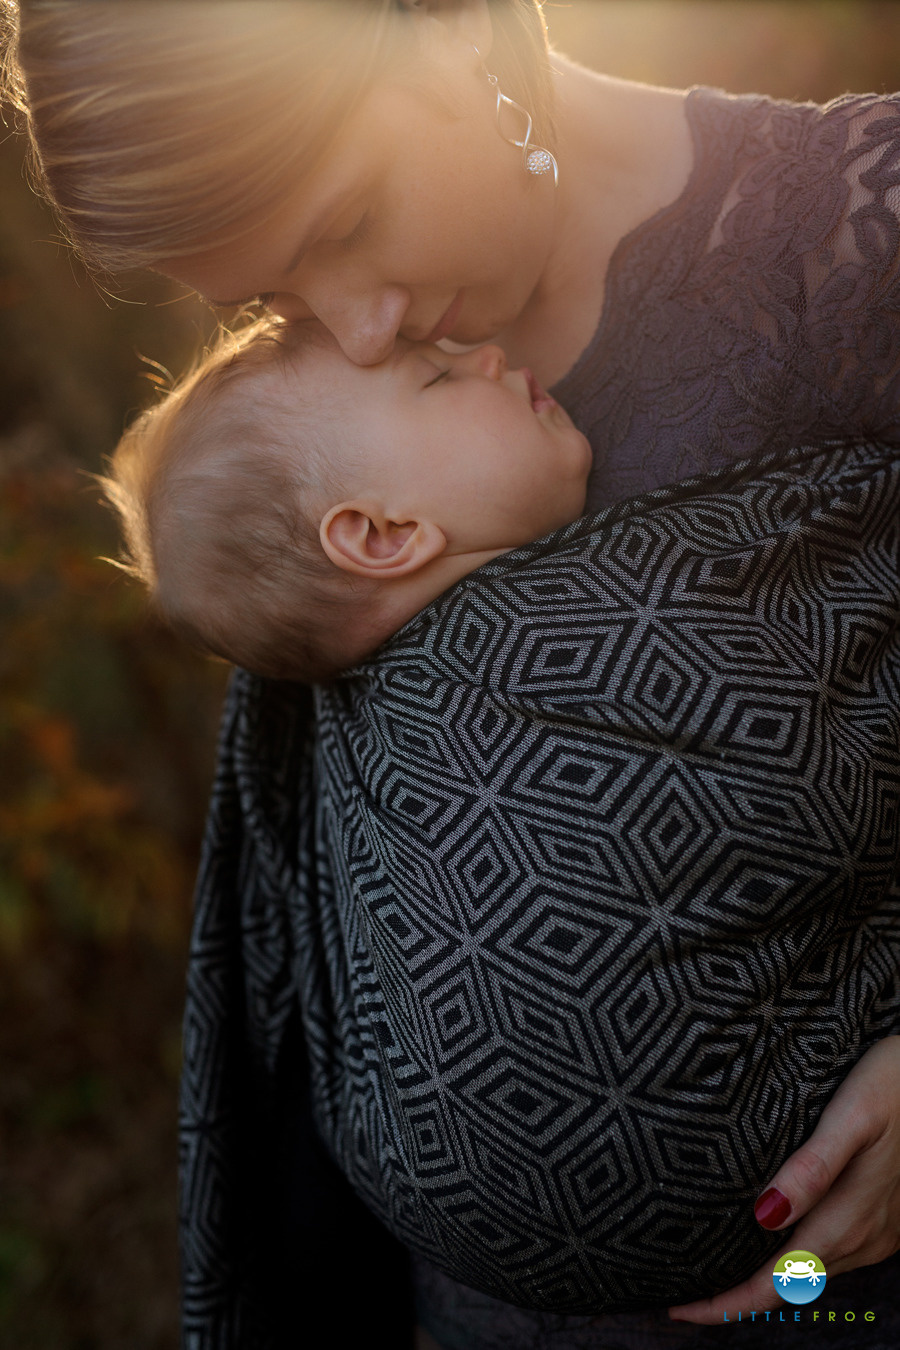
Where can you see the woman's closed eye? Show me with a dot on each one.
(262, 301)
(442, 374)
(358, 234)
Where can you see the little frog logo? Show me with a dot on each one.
(799, 1277)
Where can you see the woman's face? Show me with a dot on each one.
(422, 222)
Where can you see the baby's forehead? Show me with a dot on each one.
(308, 347)
(303, 378)
(313, 353)
(289, 358)
(308, 372)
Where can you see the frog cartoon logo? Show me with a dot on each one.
(799, 1277)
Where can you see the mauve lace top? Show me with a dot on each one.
(762, 308)
(759, 311)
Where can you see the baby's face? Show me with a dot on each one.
(460, 439)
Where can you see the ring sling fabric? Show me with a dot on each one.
(580, 890)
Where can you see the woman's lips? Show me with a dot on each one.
(540, 399)
(447, 323)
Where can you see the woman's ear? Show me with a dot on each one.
(359, 538)
(467, 20)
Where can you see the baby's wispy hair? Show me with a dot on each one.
(218, 488)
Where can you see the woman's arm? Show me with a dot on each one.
(842, 1188)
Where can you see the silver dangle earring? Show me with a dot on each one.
(535, 159)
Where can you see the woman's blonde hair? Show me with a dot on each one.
(160, 127)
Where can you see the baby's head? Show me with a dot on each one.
(289, 510)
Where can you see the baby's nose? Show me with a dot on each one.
(489, 360)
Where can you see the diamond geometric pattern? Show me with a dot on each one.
(584, 888)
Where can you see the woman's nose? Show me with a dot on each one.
(365, 327)
(489, 360)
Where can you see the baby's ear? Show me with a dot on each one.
(359, 538)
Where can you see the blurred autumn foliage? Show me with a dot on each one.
(107, 726)
(107, 730)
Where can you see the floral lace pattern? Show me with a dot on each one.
(759, 311)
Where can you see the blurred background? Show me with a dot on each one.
(107, 726)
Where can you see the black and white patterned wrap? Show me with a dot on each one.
(584, 884)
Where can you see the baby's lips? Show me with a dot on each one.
(539, 397)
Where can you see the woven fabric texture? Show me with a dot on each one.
(583, 887)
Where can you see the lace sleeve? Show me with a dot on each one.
(825, 286)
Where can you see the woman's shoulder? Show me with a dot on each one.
(764, 126)
(762, 106)
(770, 169)
(756, 148)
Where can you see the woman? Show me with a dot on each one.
(708, 280)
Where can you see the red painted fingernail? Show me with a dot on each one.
(772, 1208)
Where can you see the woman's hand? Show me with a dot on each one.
(841, 1188)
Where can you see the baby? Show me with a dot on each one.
(289, 510)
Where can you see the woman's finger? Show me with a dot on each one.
(856, 1222)
(824, 1233)
(816, 1234)
(756, 1294)
(841, 1235)
(862, 1109)
(805, 1178)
